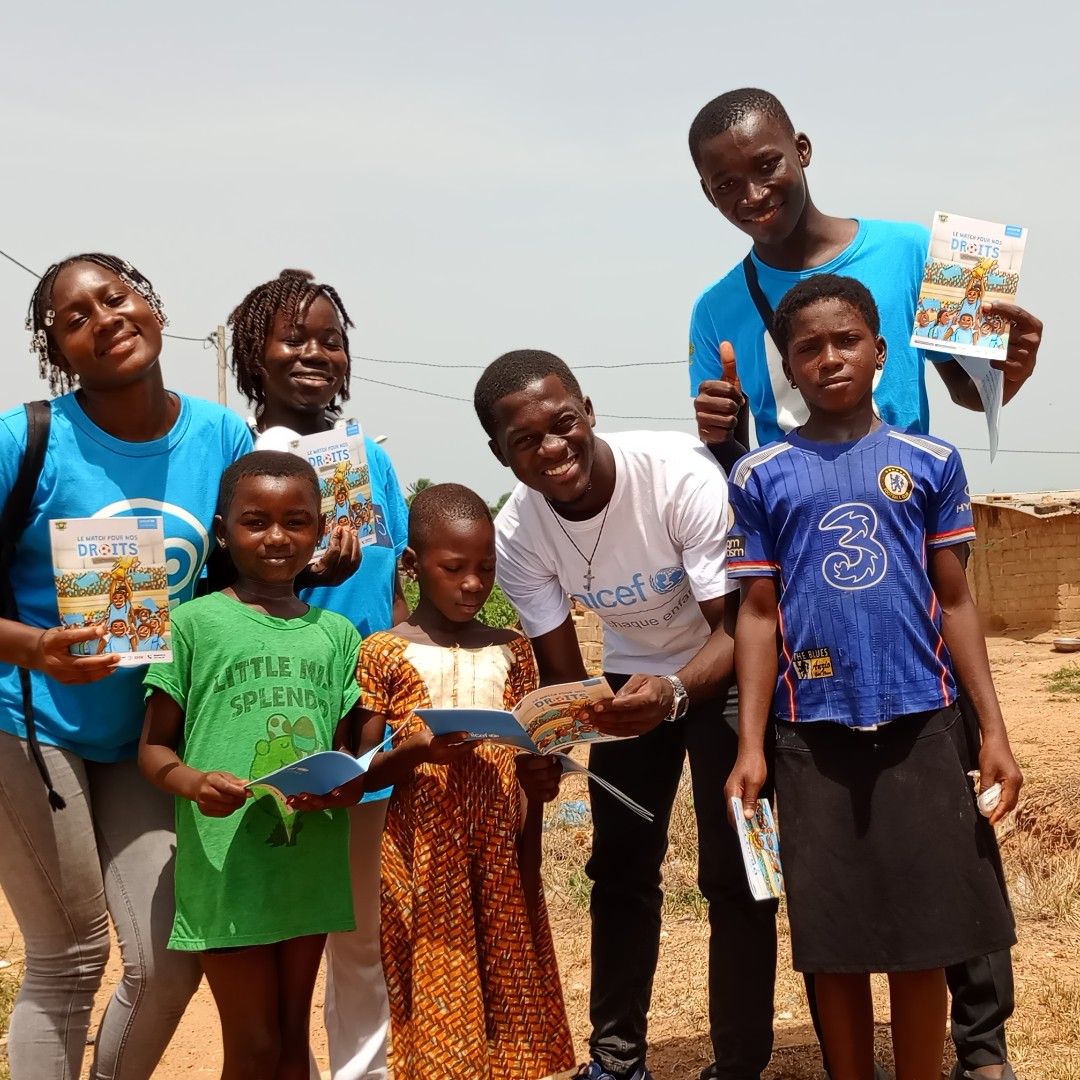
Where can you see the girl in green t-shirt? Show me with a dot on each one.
(259, 679)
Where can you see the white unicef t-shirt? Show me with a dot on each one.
(663, 549)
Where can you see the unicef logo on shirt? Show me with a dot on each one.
(667, 580)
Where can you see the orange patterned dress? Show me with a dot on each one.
(473, 994)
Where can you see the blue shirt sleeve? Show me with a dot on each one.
(704, 347)
(394, 508)
(751, 552)
(949, 519)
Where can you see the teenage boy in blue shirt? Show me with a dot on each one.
(752, 167)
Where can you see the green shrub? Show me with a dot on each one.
(498, 611)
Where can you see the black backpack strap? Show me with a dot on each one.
(13, 522)
(753, 286)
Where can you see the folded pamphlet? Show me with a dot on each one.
(760, 850)
(317, 774)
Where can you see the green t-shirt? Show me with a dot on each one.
(258, 693)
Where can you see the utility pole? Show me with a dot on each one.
(220, 338)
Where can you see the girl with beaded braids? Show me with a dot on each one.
(290, 354)
(100, 845)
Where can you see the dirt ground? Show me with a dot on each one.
(1042, 848)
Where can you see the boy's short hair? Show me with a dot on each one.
(513, 372)
(443, 503)
(823, 287)
(265, 463)
(727, 110)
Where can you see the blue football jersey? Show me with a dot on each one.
(845, 527)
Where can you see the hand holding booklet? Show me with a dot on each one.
(317, 774)
(760, 849)
(548, 721)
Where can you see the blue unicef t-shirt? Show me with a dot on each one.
(888, 258)
(88, 473)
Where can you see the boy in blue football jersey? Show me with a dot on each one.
(853, 549)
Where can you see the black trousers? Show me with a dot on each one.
(627, 896)
(982, 989)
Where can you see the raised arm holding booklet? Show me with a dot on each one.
(970, 262)
(548, 721)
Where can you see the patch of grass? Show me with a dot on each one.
(10, 978)
(1066, 680)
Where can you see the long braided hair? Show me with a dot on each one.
(39, 316)
(292, 292)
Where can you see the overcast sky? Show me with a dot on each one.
(477, 177)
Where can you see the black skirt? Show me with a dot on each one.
(889, 865)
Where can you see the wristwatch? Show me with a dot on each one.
(681, 703)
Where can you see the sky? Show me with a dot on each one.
(483, 176)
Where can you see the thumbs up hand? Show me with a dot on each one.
(719, 401)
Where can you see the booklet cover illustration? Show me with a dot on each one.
(760, 850)
(111, 572)
(968, 263)
(340, 462)
(550, 720)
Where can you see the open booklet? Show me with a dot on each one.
(547, 721)
(317, 774)
(760, 850)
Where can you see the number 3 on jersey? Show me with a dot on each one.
(859, 561)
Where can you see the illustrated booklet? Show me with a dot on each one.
(340, 461)
(550, 720)
(970, 262)
(760, 850)
(111, 573)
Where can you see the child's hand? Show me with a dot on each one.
(347, 795)
(446, 749)
(998, 766)
(52, 657)
(539, 776)
(220, 794)
(338, 562)
(745, 782)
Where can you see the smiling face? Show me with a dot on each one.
(832, 357)
(103, 331)
(455, 567)
(753, 174)
(544, 434)
(271, 527)
(305, 364)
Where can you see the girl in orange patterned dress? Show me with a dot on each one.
(467, 950)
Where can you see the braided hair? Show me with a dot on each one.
(40, 315)
(292, 292)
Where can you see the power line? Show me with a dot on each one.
(481, 367)
(210, 339)
(668, 419)
(11, 258)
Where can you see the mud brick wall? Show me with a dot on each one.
(590, 635)
(1025, 570)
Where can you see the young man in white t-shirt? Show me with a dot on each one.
(634, 526)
